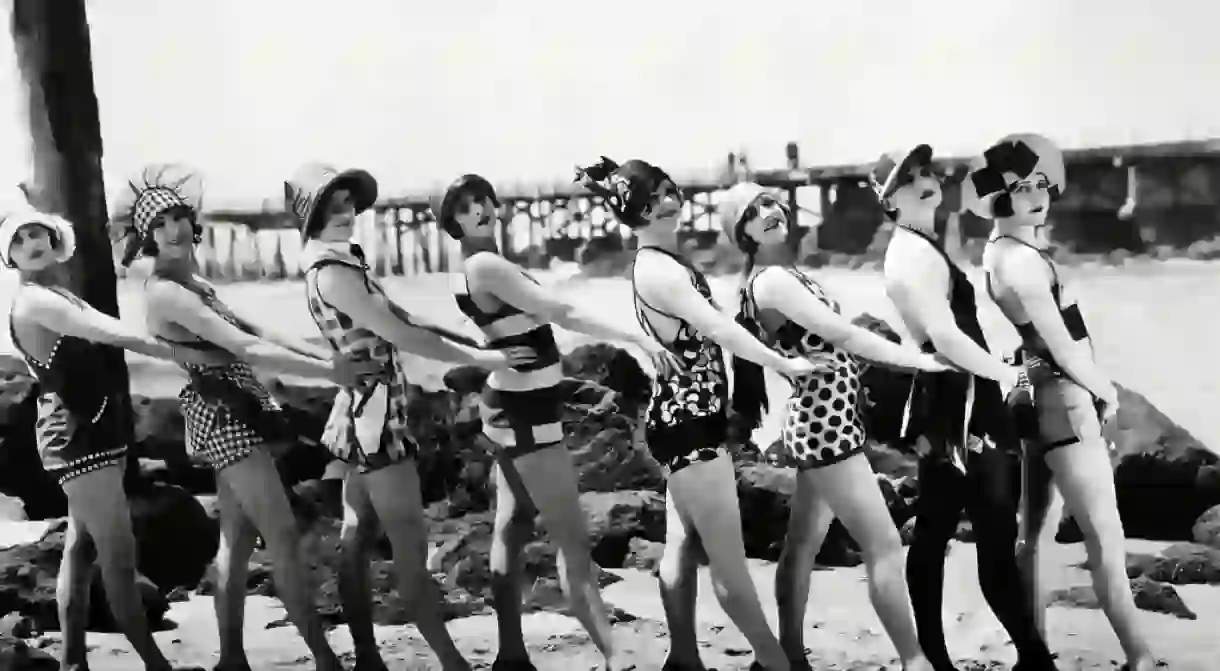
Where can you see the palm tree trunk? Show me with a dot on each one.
(51, 38)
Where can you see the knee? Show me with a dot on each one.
(513, 525)
(678, 563)
(883, 550)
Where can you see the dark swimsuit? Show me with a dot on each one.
(1033, 349)
(1058, 419)
(80, 426)
(687, 420)
(940, 402)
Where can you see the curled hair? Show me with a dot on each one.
(627, 189)
(474, 187)
(750, 401)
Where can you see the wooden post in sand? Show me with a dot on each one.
(51, 38)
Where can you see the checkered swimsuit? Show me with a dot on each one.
(214, 434)
(358, 345)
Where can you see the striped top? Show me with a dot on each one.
(509, 326)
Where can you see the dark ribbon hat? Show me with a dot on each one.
(305, 189)
(1013, 158)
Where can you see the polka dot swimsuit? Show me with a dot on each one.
(822, 423)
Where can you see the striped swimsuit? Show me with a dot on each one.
(79, 427)
(522, 407)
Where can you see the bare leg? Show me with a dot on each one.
(550, 478)
(98, 502)
(72, 593)
(1043, 509)
(850, 487)
(360, 525)
(679, 582)
(395, 493)
(1083, 475)
(237, 540)
(257, 486)
(808, 524)
(705, 493)
(514, 525)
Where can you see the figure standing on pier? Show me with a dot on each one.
(967, 438)
(232, 422)
(1014, 183)
(688, 417)
(368, 429)
(823, 430)
(81, 433)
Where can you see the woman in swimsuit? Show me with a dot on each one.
(1014, 183)
(81, 433)
(687, 422)
(522, 408)
(959, 419)
(232, 422)
(368, 428)
(823, 430)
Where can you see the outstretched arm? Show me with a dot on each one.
(786, 294)
(1026, 272)
(79, 319)
(185, 308)
(922, 290)
(344, 288)
(667, 286)
(507, 282)
(283, 340)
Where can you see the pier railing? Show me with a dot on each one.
(1133, 198)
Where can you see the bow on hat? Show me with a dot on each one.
(1019, 155)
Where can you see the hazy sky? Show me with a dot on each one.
(420, 91)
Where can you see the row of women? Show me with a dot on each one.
(970, 434)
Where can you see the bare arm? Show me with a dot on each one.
(668, 287)
(56, 313)
(344, 288)
(1026, 273)
(506, 281)
(786, 294)
(181, 306)
(282, 339)
(922, 290)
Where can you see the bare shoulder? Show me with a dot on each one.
(656, 269)
(1021, 267)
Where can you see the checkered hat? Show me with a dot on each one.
(157, 188)
(14, 221)
(306, 187)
